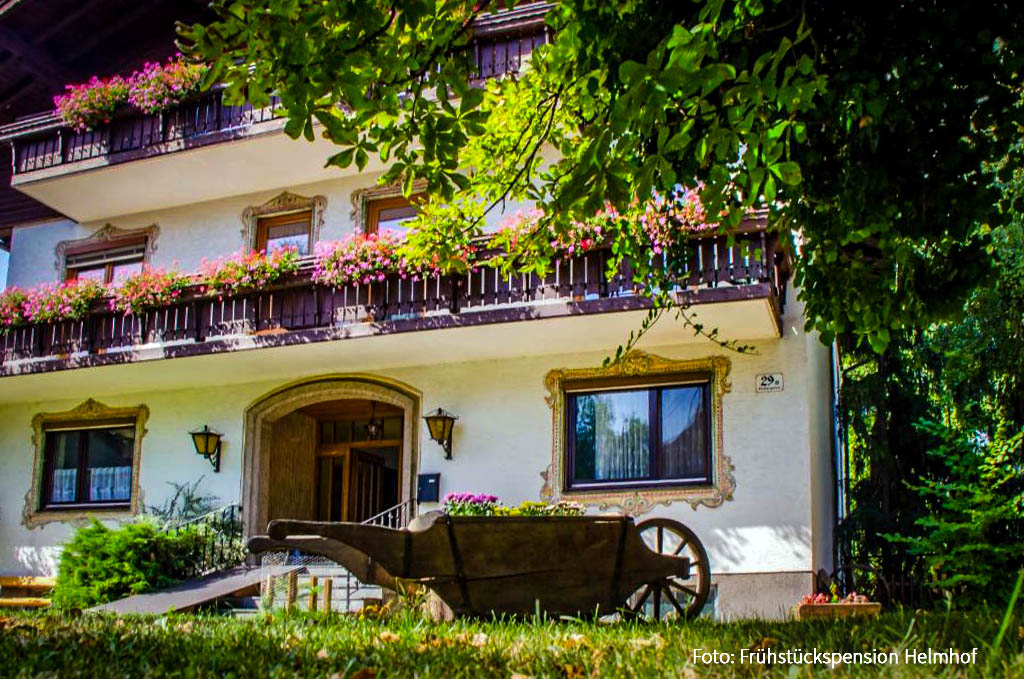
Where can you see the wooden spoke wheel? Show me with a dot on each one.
(672, 597)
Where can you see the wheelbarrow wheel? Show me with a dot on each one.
(672, 597)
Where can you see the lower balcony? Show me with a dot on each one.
(739, 287)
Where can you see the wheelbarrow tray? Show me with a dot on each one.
(567, 565)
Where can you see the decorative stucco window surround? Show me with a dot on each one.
(88, 412)
(641, 366)
(107, 234)
(361, 199)
(282, 204)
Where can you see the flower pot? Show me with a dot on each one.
(839, 610)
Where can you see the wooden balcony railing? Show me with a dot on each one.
(197, 324)
(500, 45)
(203, 119)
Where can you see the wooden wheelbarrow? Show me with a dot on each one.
(562, 565)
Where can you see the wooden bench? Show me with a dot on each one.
(25, 591)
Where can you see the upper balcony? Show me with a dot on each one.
(203, 149)
(737, 284)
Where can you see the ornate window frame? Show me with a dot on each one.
(88, 411)
(361, 199)
(108, 233)
(282, 204)
(641, 365)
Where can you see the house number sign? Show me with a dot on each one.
(768, 382)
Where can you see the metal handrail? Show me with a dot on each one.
(223, 548)
(224, 509)
(397, 516)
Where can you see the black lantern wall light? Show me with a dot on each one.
(440, 424)
(207, 443)
(374, 427)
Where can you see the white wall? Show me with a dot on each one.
(34, 251)
(821, 471)
(188, 234)
(502, 441)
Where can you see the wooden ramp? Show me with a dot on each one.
(238, 581)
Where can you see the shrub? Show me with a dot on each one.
(101, 564)
(157, 87)
(185, 504)
(148, 289)
(973, 540)
(89, 104)
(248, 270)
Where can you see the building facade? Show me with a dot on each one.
(319, 393)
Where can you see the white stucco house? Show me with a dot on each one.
(96, 414)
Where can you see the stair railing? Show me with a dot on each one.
(398, 516)
(217, 541)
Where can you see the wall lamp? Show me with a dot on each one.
(440, 423)
(207, 443)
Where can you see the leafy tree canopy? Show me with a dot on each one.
(872, 128)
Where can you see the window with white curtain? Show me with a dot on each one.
(89, 465)
(638, 436)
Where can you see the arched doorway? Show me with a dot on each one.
(332, 448)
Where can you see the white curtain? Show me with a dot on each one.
(64, 481)
(684, 435)
(110, 483)
(622, 430)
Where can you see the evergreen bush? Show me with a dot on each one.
(973, 540)
(101, 564)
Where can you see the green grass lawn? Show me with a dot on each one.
(303, 645)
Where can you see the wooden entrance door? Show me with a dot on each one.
(366, 485)
(359, 450)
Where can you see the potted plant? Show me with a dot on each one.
(830, 605)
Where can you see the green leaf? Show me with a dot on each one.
(769, 189)
(342, 159)
(471, 100)
(788, 172)
(293, 127)
(631, 71)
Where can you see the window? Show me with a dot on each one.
(293, 230)
(625, 436)
(389, 214)
(88, 465)
(105, 263)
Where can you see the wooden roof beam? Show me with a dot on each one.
(52, 30)
(127, 18)
(16, 92)
(35, 60)
(66, 20)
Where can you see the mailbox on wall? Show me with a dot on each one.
(428, 488)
